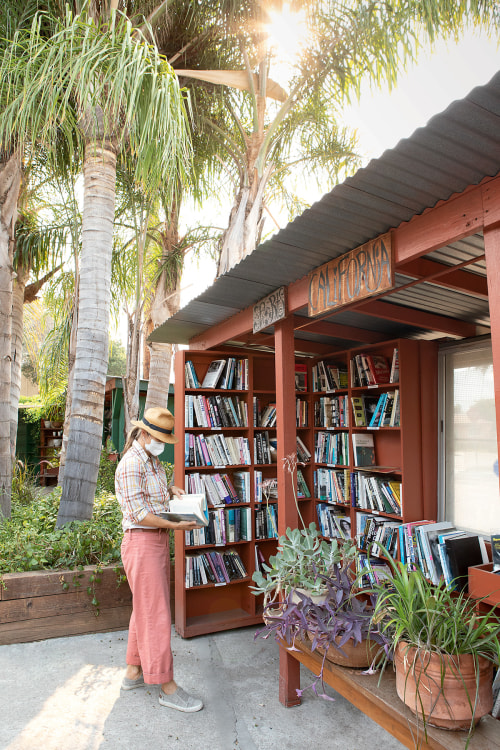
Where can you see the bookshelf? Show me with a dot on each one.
(399, 484)
(325, 424)
(204, 416)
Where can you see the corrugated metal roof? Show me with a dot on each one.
(457, 148)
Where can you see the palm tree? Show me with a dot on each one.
(13, 16)
(268, 130)
(104, 83)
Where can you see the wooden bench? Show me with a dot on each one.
(380, 702)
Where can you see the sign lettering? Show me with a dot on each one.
(269, 310)
(363, 272)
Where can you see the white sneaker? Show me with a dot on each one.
(181, 701)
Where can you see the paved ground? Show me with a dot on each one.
(64, 694)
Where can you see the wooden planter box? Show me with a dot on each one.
(35, 606)
(484, 584)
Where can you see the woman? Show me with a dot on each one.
(143, 493)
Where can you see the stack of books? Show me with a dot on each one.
(266, 522)
(371, 492)
(224, 526)
(215, 411)
(331, 523)
(328, 377)
(215, 450)
(332, 485)
(213, 567)
(218, 488)
(332, 448)
(331, 411)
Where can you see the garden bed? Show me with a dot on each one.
(47, 604)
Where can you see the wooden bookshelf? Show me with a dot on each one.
(406, 452)
(213, 607)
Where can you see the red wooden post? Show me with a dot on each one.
(492, 255)
(285, 421)
(289, 679)
(287, 446)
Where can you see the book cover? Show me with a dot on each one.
(300, 377)
(370, 405)
(363, 449)
(212, 375)
(464, 552)
(495, 552)
(375, 418)
(358, 411)
(379, 368)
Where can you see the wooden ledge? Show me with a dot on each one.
(381, 703)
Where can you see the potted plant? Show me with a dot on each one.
(302, 556)
(312, 593)
(443, 647)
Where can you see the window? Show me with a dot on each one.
(468, 453)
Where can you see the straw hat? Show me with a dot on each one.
(159, 423)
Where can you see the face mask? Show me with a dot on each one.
(155, 447)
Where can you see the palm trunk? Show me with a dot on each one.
(16, 352)
(246, 220)
(132, 377)
(69, 393)
(89, 379)
(10, 183)
(166, 302)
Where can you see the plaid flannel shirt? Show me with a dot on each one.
(141, 486)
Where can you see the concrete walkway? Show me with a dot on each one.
(64, 694)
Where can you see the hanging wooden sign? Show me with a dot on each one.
(269, 310)
(363, 272)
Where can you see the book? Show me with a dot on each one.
(212, 375)
(370, 404)
(464, 552)
(363, 449)
(377, 414)
(358, 409)
(188, 508)
(495, 552)
(379, 370)
(300, 377)
(394, 376)
(429, 536)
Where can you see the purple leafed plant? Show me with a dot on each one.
(344, 615)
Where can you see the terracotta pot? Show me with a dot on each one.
(443, 688)
(315, 598)
(357, 656)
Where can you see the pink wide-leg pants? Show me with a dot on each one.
(146, 560)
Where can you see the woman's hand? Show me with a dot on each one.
(177, 491)
(185, 525)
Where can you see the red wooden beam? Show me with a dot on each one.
(335, 330)
(460, 281)
(419, 318)
(458, 217)
(492, 252)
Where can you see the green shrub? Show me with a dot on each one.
(30, 541)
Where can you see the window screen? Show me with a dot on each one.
(469, 457)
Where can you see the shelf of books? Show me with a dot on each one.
(369, 442)
(226, 420)
(362, 448)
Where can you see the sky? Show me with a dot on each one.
(381, 117)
